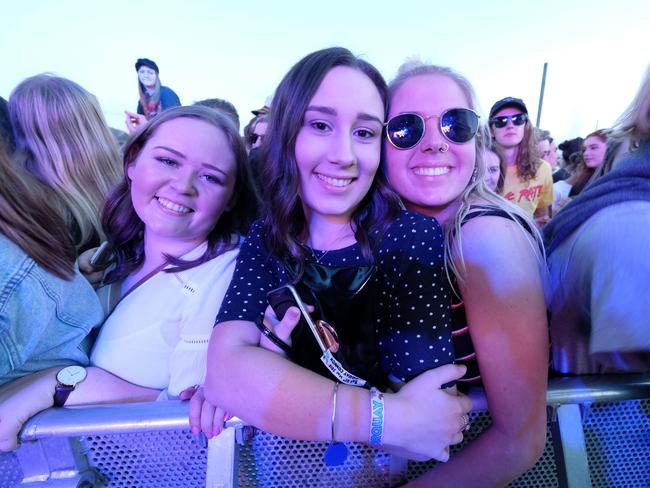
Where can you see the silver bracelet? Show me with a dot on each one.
(336, 389)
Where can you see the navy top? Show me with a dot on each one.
(412, 294)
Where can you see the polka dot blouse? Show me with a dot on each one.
(413, 299)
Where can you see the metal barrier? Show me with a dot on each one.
(598, 435)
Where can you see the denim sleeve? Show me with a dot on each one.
(44, 320)
(23, 313)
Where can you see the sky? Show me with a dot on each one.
(597, 50)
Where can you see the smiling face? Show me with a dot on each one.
(428, 180)
(510, 135)
(339, 144)
(594, 151)
(181, 182)
(147, 76)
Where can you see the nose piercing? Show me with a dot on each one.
(444, 147)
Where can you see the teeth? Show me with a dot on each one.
(175, 207)
(335, 181)
(431, 171)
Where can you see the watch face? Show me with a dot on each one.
(71, 375)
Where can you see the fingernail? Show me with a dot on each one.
(203, 440)
(195, 430)
(294, 313)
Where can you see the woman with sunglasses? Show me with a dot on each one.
(329, 211)
(529, 181)
(433, 161)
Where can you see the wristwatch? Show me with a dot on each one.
(67, 379)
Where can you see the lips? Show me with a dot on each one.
(334, 181)
(173, 206)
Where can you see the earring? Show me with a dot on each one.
(475, 174)
(444, 147)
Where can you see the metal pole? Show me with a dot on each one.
(541, 96)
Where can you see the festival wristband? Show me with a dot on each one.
(376, 417)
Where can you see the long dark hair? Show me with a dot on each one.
(149, 102)
(28, 220)
(284, 221)
(123, 227)
(528, 155)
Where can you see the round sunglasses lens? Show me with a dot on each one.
(519, 119)
(405, 131)
(459, 125)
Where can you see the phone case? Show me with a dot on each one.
(286, 296)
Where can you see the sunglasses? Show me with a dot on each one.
(501, 121)
(254, 138)
(457, 125)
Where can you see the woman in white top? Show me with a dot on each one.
(174, 224)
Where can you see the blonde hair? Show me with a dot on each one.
(63, 139)
(476, 191)
(634, 123)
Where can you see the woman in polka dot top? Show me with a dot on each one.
(494, 254)
(327, 203)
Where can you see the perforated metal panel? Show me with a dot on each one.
(10, 472)
(543, 474)
(270, 461)
(618, 443)
(148, 459)
(617, 437)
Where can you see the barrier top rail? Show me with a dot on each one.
(173, 415)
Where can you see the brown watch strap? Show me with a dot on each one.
(61, 394)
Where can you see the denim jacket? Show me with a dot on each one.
(44, 321)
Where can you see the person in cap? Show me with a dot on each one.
(528, 182)
(154, 98)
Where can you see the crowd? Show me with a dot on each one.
(359, 264)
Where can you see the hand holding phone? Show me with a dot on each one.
(101, 256)
(281, 299)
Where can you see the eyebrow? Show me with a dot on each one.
(174, 151)
(331, 111)
(181, 155)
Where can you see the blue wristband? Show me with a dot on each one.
(376, 417)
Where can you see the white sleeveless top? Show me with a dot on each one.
(157, 336)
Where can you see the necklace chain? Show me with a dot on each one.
(319, 258)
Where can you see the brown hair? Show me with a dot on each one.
(27, 220)
(583, 173)
(124, 228)
(285, 223)
(528, 156)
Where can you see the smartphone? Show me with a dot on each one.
(101, 256)
(286, 296)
